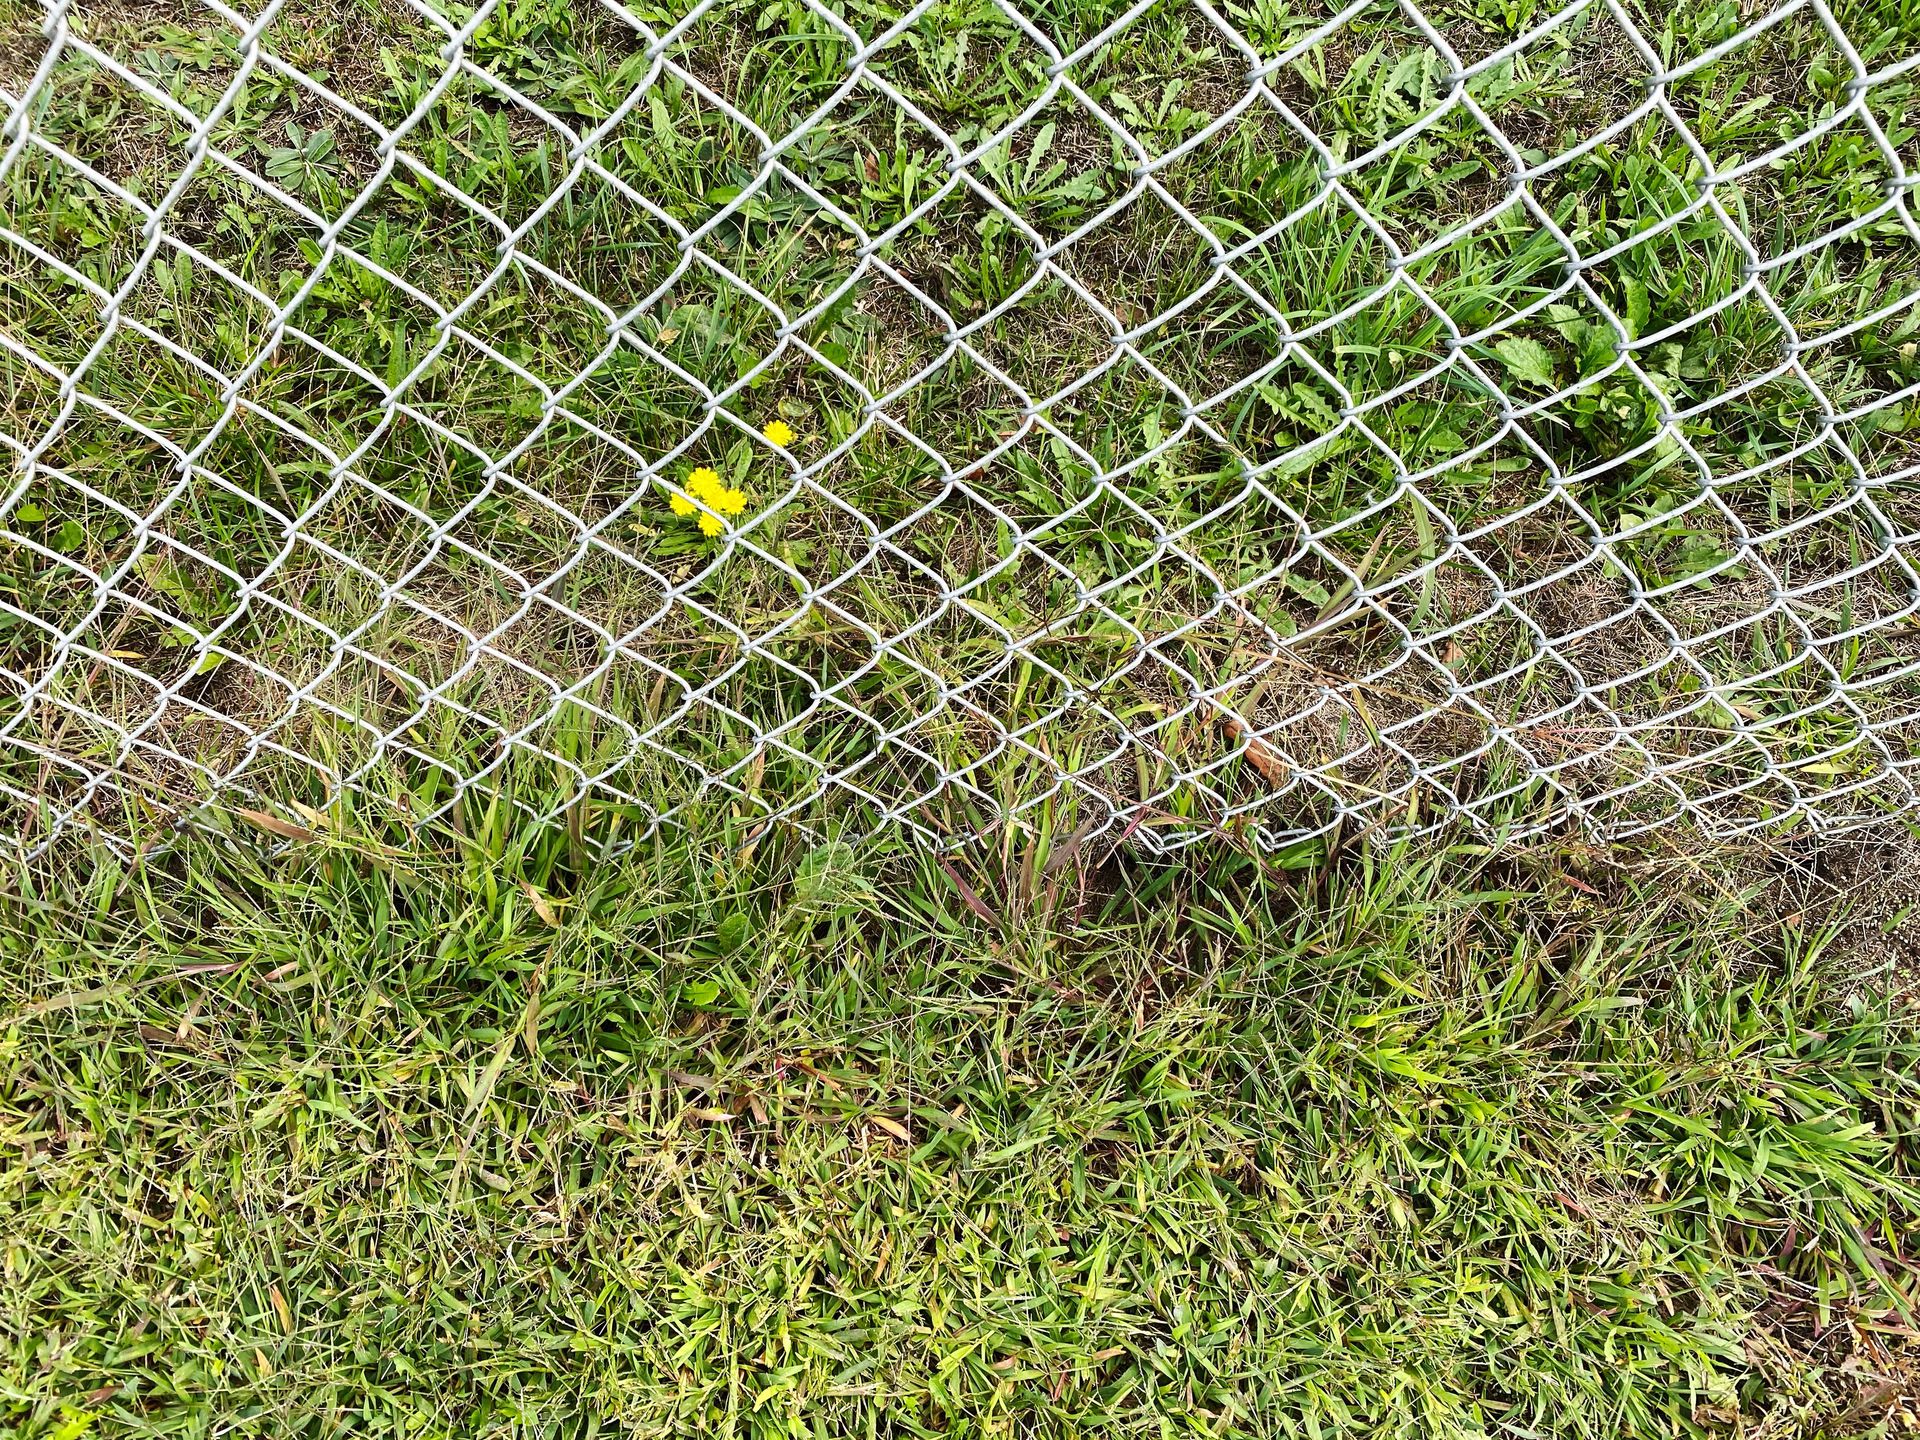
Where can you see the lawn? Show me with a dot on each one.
(744, 719)
(449, 1137)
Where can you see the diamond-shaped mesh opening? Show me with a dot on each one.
(772, 87)
(1315, 263)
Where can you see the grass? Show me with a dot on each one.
(366, 1106)
(449, 1137)
(434, 539)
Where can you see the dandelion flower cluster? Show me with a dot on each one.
(714, 499)
(780, 433)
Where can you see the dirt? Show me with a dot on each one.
(1870, 885)
(21, 46)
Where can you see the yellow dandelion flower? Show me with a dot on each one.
(709, 497)
(780, 433)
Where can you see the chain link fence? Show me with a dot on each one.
(1169, 419)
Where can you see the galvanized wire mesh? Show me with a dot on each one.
(1446, 452)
